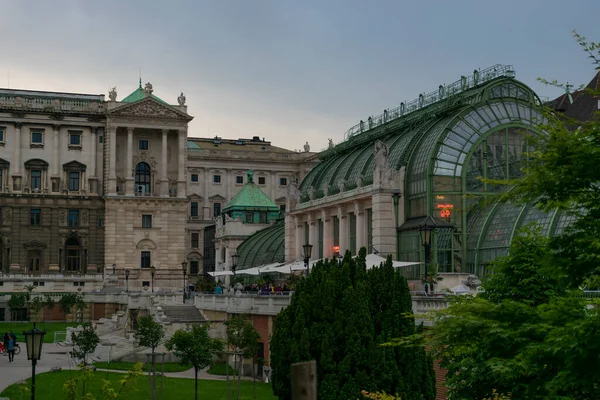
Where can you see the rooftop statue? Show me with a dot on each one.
(330, 146)
(112, 93)
(148, 88)
(181, 99)
(306, 147)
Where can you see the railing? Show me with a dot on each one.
(479, 77)
(51, 104)
(243, 303)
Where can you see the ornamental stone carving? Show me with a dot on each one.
(85, 216)
(112, 93)
(312, 193)
(306, 147)
(325, 189)
(293, 190)
(342, 185)
(384, 173)
(149, 108)
(148, 89)
(330, 145)
(181, 99)
(7, 217)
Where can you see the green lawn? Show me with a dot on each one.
(48, 386)
(219, 369)
(126, 366)
(50, 327)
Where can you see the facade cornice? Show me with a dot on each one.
(361, 193)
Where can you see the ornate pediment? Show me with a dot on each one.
(195, 197)
(146, 244)
(74, 166)
(217, 197)
(149, 108)
(34, 244)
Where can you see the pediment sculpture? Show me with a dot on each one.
(149, 108)
(112, 93)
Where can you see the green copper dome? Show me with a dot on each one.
(139, 94)
(252, 205)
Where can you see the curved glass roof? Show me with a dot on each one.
(444, 131)
(266, 246)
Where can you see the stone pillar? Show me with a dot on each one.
(206, 196)
(299, 237)
(313, 234)
(55, 150)
(290, 237)
(327, 234)
(227, 182)
(384, 231)
(227, 266)
(17, 166)
(112, 173)
(344, 233)
(181, 167)
(129, 189)
(273, 187)
(93, 163)
(361, 228)
(164, 179)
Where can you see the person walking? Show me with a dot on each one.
(5, 339)
(11, 350)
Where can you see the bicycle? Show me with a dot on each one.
(5, 353)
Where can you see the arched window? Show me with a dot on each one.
(73, 254)
(142, 178)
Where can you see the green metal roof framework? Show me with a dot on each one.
(266, 246)
(447, 143)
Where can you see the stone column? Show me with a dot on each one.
(181, 166)
(312, 233)
(17, 166)
(164, 179)
(360, 227)
(299, 236)
(129, 189)
(112, 173)
(93, 163)
(344, 234)
(327, 234)
(273, 185)
(206, 203)
(227, 182)
(55, 150)
(384, 230)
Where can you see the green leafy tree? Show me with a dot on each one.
(125, 387)
(243, 337)
(195, 347)
(84, 343)
(150, 333)
(35, 306)
(16, 303)
(66, 303)
(339, 316)
(49, 304)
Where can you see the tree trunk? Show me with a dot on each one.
(195, 383)
(239, 376)
(254, 376)
(153, 376)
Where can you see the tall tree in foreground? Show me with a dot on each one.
(150, 333)
(243, 338)
(195, 347)
(338, 316)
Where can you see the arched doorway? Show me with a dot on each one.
(143, 178)
(73, 255)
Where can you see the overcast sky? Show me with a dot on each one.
(289, 71)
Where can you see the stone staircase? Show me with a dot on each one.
(182, 313)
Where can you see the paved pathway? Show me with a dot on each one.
(21, 368)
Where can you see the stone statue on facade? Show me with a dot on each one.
(330, 146)
(325, 189)
(312, 192)
(306, 147)
(342, 185)
(293, 190)
(181, 99)
(383, 174)
(112, 93)
(148, 89)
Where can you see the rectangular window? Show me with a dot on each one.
(194, 208)
(100, 223)
(75, 139)
(36, 180)
(282, 181)
(73, 181)
(99, 139)
(261, 180)
(146, 221)
(35, 216)
(216, 178)
(336, 231)
(194, 178)
(2, 134)
(263, 217)
(216, 210)
(282, 209)
(353, 234)
(0, 178)
(249, 217)
(145, 259)
(37, 137)
(194, 267)
(143, 144)
(195, 240)
(73, 218)
(369, 231)
(321, 230)
(239, 180)
(145, 283)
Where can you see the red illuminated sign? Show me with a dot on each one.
(445, 210)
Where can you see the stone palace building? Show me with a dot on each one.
(91, 187)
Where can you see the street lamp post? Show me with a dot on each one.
(234, 262)
(425, 230)
(307, 252)
(152, 272)
(127, 280)
(184, 270)
(34, 340)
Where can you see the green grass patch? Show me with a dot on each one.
(50, 327)
(219, 369)
(49, 386)
(126, 366)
